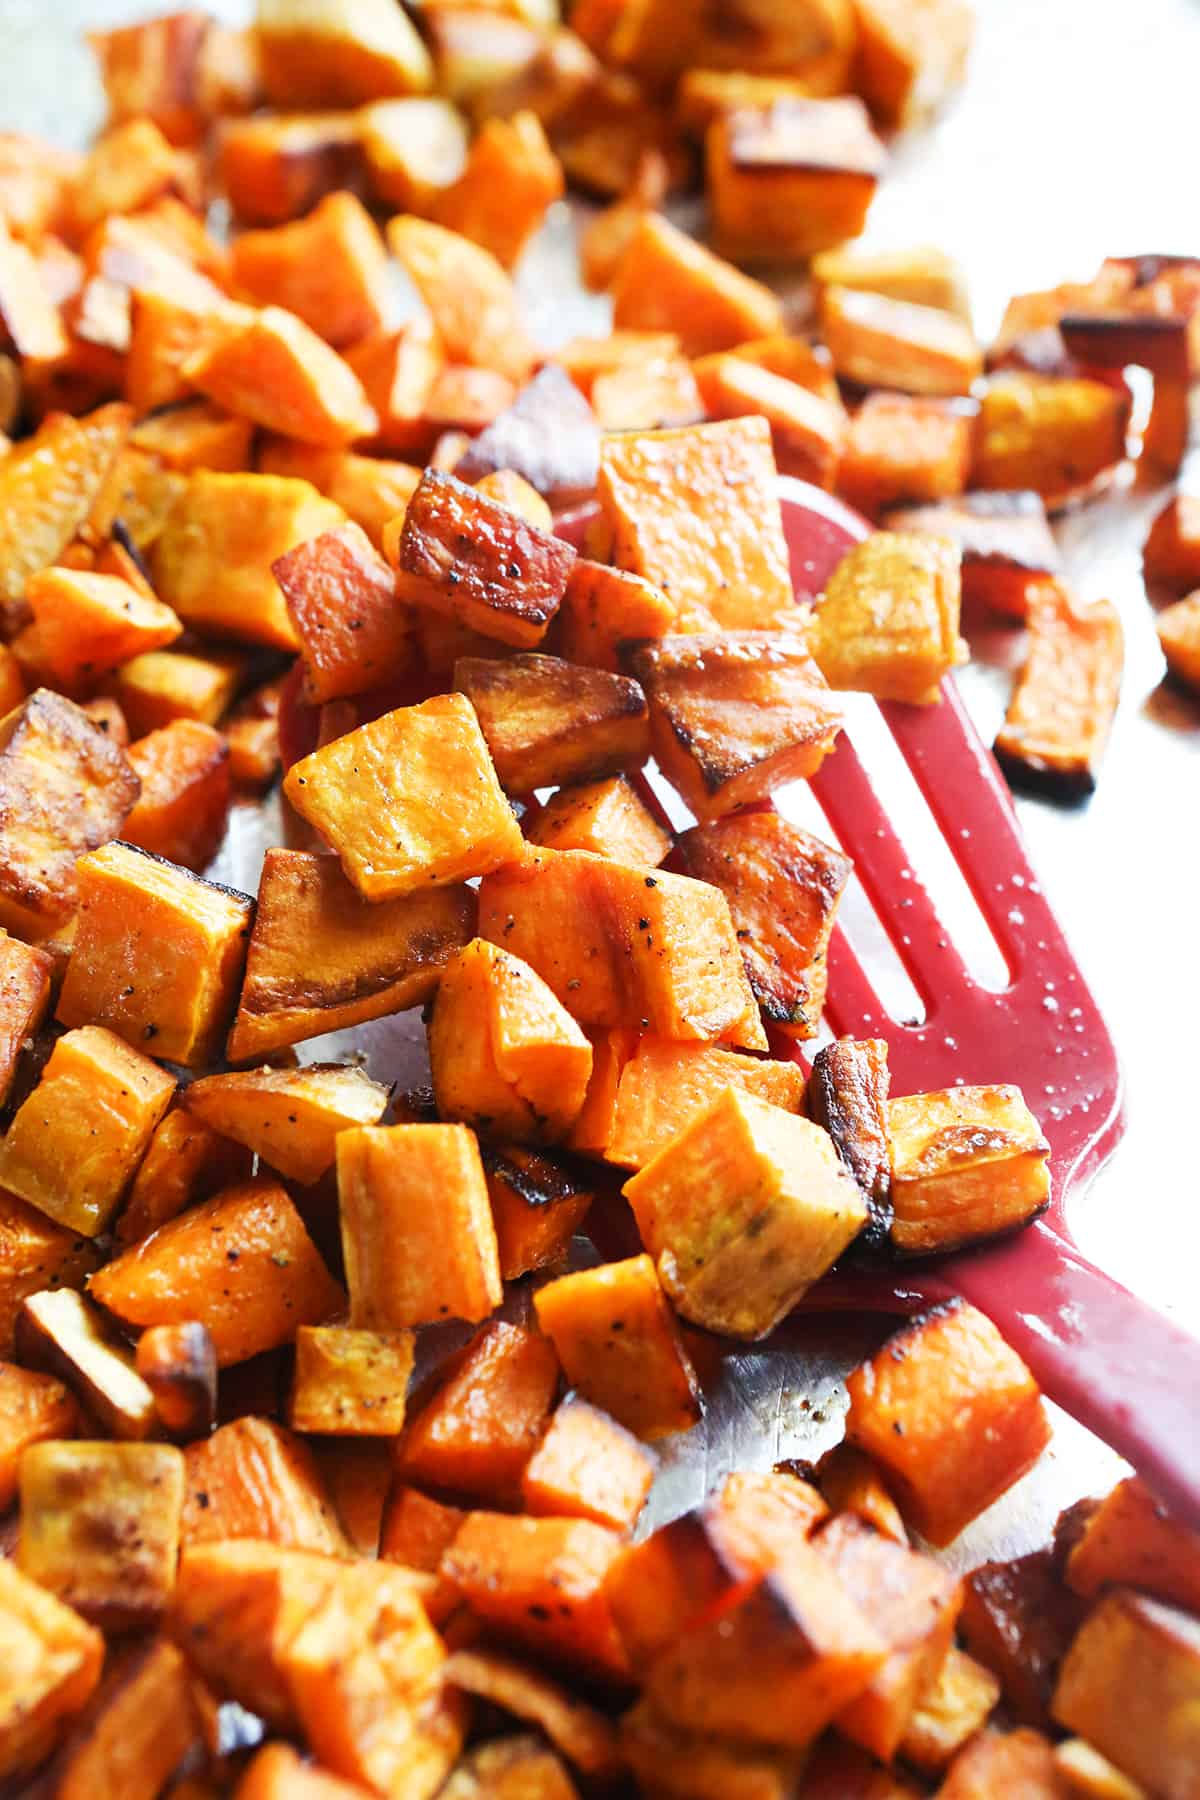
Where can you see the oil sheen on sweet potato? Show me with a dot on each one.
(548, 722)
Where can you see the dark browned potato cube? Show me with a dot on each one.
(847, 1094)
(64, 1334)
(790, 178)
(178, 1363)
(548, 722)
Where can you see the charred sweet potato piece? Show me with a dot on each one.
(289, 1118)
(33, 1409)
(414, 149)
(1132, 1541)
(922, 276)
(1007, 546)
(252, 734)
(65, 1335)
(807, 431)
(1171, 554)
(251, 1301)
(25, 982)
(273, 369)
(186, 793)
(100, 1527)
(338, 53)
(538, 1203)
(743, 1211)
(162, 685)
(158, 956)
(406, 1265)
(408, 800)
(548, 722)
(685, 1571)
(255, 1479)
(887, 623)
(953, 1364)
(1065, 698)
(588, 1467)
(696, 511)
(510, 179)
(664, 1086)
(461, 555)
(790, 177)
(476, 1432)
(322, 958)
(668, 282)
(1178, 629)
(879, 342)
(847, 1095)
(65, 788)
(904, 447)
(468, 293)
(178, 1363)
(909, 59)
(350, 1383)
(185, 1162)
(548, 435)
(75, 1142)
(619, 1345)
(36, 1256)
(967, 1162)
(329, 268)
(605, 817)
(51, 1667)
(1053, 435)
(1128, 1685)
(1018, 1620)
(953, 1707)
(505, 1055)
(604, 609)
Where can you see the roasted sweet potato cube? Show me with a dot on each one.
(65, 787)
(100, 1528)
(1132, 1541)
(913, 1604)
(341, 600)
(510, 179)
(1053, 435)
(213, 562)
(462, 400)
(607, 818)
(1065, 698)
(693, 1765)
(807, 430)
(1171, 554)
(163, 685)
(905, 448)
(289, 1118)
(588, 1467)
(195, 436)
(668, 282)
(183, 807)
(158, 954)
(604, 609)
(330, 269)
(273, 369)
(338, 53)
(783, 887)
(275, 167)
(252, 735)
(370, 490)
(26, 975)
(1014, 1762)
(322, 958)
(879, 342)
(33, 1409)
(951, 1365)
(1007, 547)
(88, 624)
(648, 396)
(680, 505)
(619, 1345)
(584, 1735)
(469, 295)
(909, 59)
(538, 1203)
(154, 69)
(126, 170)
(967, 1162)
(409, 800)
(790, 177)
(57, 1330)
(1178, 629)
(852, 1484)
(548, 722)
(922, 276)
(541, 1582)
(847, 1096)
(548, 435)
(76, 1141)
(953, 1707)
(664, 1086)
(743, 1211)
(350, 1383)
(887, 623)
(185, 1162)
(256, 1479)
(587, 358)
(461, 555)
(178, 1363)
(414, 149)
(1018, 1620)
(51, 1666)
(685, 1571)
(404, 1265)
(277, 1772)
(141, 1725)
(242, 1264)
(476, 1432)
(397, 370)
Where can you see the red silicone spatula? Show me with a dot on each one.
(1102, 1354)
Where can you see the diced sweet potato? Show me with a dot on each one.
(341, 600)
(154, 69)
(887, 623)
(185, 1162)
(51, 1666)
(277, 166)
(417, 1531)
(406, 1265)
(476, 1432)
(880, 342)
(538, 1203)
(743, 1211)
(1178, 629)
(1018, 1620)
(100, 1527)
(414, 149)
(603, 609)
(88, 624)
(684, 1572)
(791, 176)
(126, 170)
(25, 983)
(510, 179)
(254, 1479)
(847, 1095)
(140, 1726)
(195, 436)
(1016, 1762)
(807, 431)
(1132, 1541)
(853, 1484)
(690, 1765)
(1053, 435)
(178, 1363)
(329, 268)
(322, 958)
(273, 369)
(289, 1118)
(60, 1332)
(468, 293)
(1007, 547)
(668, 282)
(619, 1345)
(650, 396)
(158, 954)
(33, 1409)
(350, 1383)
(695, 510)
(910, 58)
(65, 787)
(588, 1467)
(338, 53)
(186, 793)
(922, 276)
(370, 490)
(213, 562)
(75, 1142)
(966, 1163)
(547, 722)
(951, 1366)
(242, 1264)
(905, 448)
(408, 800)
(587, 358)
(605, 817)
(163, 685)
(397, 370)
(277, 1772)
(664, 1086)
(954, 1706)
(461, 555)
(1171, 554)
(1062, 708)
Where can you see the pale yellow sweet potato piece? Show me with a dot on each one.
(338, 52)
(289, 1118)
(273, 369)
(605, 817)
(665, 1085)
(887, 623)
(330, 269)
(350, 1382)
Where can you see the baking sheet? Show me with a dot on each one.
(1067, 145)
